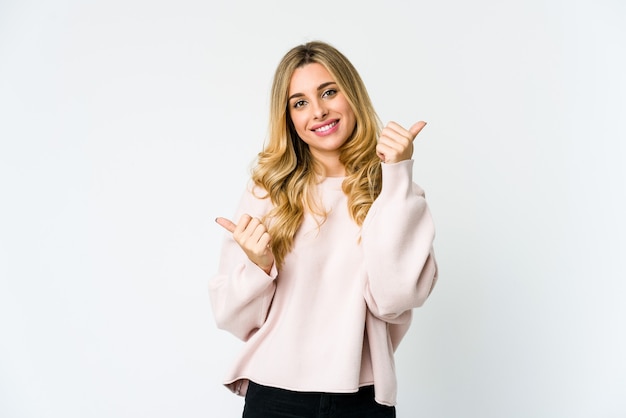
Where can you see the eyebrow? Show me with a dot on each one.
(320, 87)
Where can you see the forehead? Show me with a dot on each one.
(308, 78)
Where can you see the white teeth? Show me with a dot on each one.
(325, 128)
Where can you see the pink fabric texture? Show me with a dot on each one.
(332, 317)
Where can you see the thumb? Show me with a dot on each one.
(416, 128)
(226, 224)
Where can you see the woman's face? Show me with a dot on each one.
(320, 112)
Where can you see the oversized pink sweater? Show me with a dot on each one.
(332, 317)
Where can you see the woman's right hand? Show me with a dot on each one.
(253, 238)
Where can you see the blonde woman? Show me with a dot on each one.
(330, 252)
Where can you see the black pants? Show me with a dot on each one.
(268, 402)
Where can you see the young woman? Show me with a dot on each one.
(330, 252)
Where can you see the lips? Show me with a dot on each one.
(323, 128)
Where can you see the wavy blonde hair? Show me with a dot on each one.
(285, 168)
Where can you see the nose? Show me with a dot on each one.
(319, 109)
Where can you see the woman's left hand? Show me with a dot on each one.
(396, 143)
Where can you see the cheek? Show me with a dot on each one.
(352, 118)
(347, 111)
(299, 123)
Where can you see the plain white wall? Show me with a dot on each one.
(126, 127)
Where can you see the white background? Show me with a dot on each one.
(126, 127)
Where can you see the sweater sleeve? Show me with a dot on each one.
(241, 292)
(398, 235)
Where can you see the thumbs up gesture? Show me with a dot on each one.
(253, 238)
(396, 143)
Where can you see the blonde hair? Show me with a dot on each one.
(285, 168)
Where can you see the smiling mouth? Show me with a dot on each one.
(326, 127)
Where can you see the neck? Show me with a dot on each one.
(334, 170)
(330, 165)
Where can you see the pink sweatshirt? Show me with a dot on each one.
(332, 318)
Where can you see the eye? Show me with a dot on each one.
(298, 103)
(329, 93)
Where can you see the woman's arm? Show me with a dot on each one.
(241, 292)
(398, 235)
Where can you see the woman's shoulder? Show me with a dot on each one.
(254, 201)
